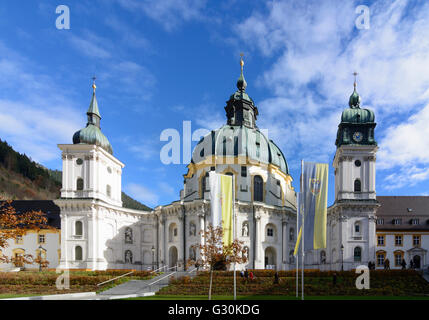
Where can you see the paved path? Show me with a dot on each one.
(140, 288)
(129, 289)
(426, 275)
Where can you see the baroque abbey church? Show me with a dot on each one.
(96, 232)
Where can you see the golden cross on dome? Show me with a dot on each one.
(241, 61)
(93, 83)
(355, 74)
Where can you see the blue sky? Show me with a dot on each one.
(161, 62)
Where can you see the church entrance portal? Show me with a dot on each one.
(416, 261)
(172, 256)
(270, 258)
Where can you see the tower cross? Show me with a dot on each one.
(93, 82)
(355, 74)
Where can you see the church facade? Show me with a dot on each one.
(97, 233)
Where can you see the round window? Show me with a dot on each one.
(79, 161)
(357, 163)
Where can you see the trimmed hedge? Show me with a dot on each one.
(392, 283)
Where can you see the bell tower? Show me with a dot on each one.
(352, 216)
(354, 161)
(90, 171)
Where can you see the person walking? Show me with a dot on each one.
(403, 264)
(276, 278)
(334, 279)
(246, 276)
(251, 275)
(387, 264)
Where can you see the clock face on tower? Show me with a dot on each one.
(357, 136)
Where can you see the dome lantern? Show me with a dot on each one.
(240, 108)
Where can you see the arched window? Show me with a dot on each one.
(270, 232)
(291, 234)
(357, 254)
(357, 228)
(78, 228)
(322, 257)
(108, 190)
(358, 187)
(128, 235)
(258, 188)
(172, 232)
(78, 253)
(128, 256)
(79, 184)
(381, 255)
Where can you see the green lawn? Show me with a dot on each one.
(33, 283)
(393, 283)
(277, 297)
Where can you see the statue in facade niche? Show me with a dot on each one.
(245, 230)
(128, 235)
(128, 256)
(192, 229)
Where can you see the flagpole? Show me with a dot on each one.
(297, 256)
(302, 226)
(233, 233)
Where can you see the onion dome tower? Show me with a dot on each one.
(355, 207)
(92, 134)
(357, 125)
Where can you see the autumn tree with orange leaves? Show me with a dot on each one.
(14, 225)
(216, 255)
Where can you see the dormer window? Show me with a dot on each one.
(397, 221)
(380, 221)
(415, 221)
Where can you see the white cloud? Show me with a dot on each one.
(90, 45)
(142, 194)
(166, 188)
(129, 36)
(315, 47)
(408, 176)
(169, 13)
(406, 143)
(35, 113)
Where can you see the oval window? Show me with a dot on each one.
(79, 161)
(109, 170)
(357, 163)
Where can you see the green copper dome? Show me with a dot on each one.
(92, 134)
(238, 141)
(357, 115)
(357, 125)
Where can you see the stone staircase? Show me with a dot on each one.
(426, 274)
(140, 288)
